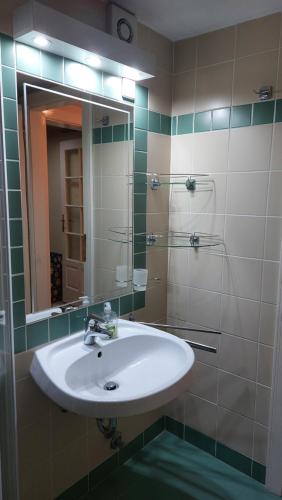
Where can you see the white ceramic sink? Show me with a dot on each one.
(151, 368)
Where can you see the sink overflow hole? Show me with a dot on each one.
(110, 386)
(99, 354)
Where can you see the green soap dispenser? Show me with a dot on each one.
(110, 320)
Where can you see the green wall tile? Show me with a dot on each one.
(75, 492)
(154, 122)
(99, 308)
(141, 140)
(233, 458)
(140, 260)
(139, 223)
(200, 440)
(165, 125)
(131, 449)
(141, 96)
(97, 135)
(278, 113)
(140, 239)
(263, 113)
(16, 233)
(37, 334)
(15, 209)
(8, 82)
(140, 161)
(220, 118)
(59, 326)
(107, 134)
(118, 133)
(139, 300)
(141, 118)
(174, 125)
(7, 51)
(131, 133)
(185, 124)
(203, 121)
(52, 67)
(174, 427)
(11, 142)
(28, 59)
(241, 115)
(18, 287)
(19, 340)
(140, 184)
(125, 304)
(82, 77)
(10, 113)
(13, 174)
(154, 430)
(258, 472)
(77, 318)
(140, 201)
(19, 313)
(112, 86)
(17, 260)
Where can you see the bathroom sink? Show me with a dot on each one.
(148, 368)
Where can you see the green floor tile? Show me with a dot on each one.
(200, 440)
(154, 430)
(174, 427)
(232, 457)
(258, 472)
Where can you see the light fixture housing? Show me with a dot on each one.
(41, 41)
(78, 41)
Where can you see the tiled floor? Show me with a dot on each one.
(169, 468)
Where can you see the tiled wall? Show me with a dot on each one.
(58, 449)
(219, 128)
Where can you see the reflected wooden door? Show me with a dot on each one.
(72, 219)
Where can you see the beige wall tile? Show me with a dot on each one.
(265, 359)
(240, 317)
(276, 158)
(36, 481)
(160, 93)
(204, 271)
(263, 405)
(69, 465)
(185, 54)
(214, 86)
(244, 236)
(200, 415)
(22, 364)
(203, 308)
(274, 197)
(238, 356)
(161, 47)
(176, 409)
(184, 93)
(204, 381)
(217, 46)
(31, 402)
(211, 152)
(237, 394)
(267, 323)
(235, 431)
(258, 35)
(182, 147)
(260, 444)
(66, 427)
(250, 148)
(157, 264)
(209, 200)
(242, 277)
(253, 72)
(270, 282)
(247, 193)
(273, 238)
(98, 448)
(159, 149)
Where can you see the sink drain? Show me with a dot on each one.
(110, 386)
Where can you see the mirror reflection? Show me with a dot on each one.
(76, 161)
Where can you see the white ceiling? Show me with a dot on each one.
(177, 19)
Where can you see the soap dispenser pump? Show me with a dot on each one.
(110, 320)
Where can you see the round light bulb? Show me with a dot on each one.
(41, 41)
(93, 61)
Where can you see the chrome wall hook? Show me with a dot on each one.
(264, 93)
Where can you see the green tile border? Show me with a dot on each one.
(100, 474)
(220, 451)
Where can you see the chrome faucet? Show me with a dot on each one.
(93, 330)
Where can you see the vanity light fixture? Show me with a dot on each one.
(128, 89)
(41, 41)
(38, 25)
(93, 61)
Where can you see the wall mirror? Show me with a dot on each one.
(76, 158)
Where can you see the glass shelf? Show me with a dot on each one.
(192, 182)
(170, 239)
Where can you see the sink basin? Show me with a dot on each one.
(148, 366)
